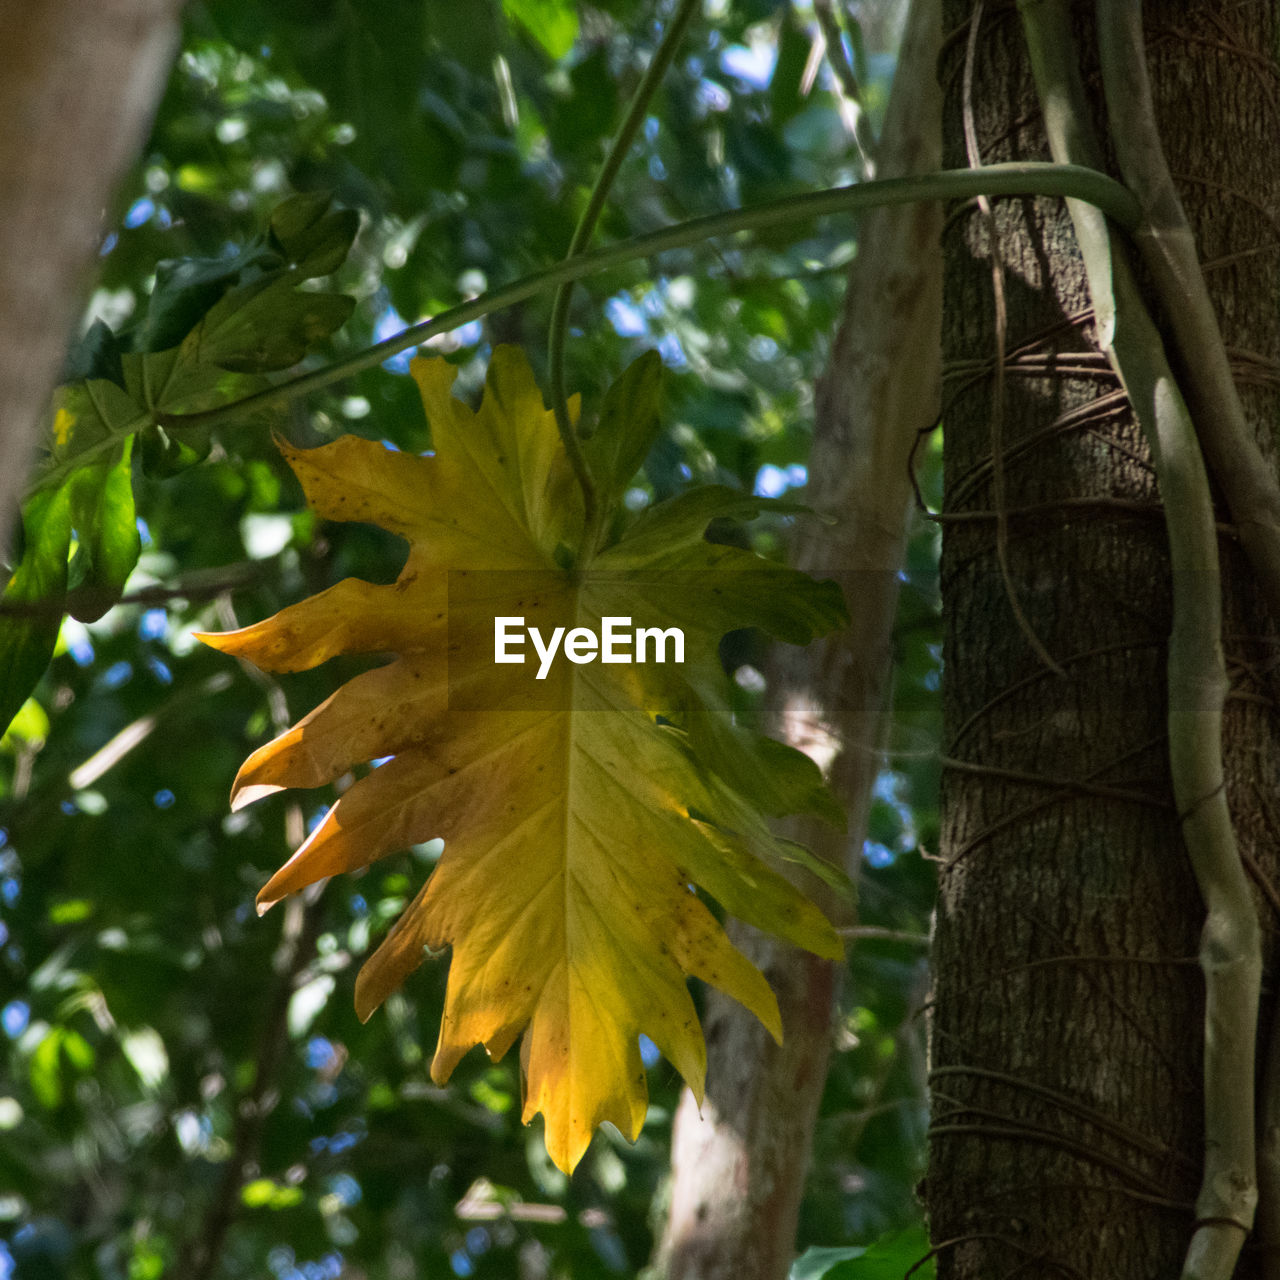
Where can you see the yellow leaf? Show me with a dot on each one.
(578, 811)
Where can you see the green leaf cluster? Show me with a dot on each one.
(211, 330)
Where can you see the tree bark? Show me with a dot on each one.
(1066, 1036)
(78, 82)
(739, 1165)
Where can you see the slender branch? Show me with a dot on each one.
(1230, 945)
(202, 1253)
(874, 933)
(1013, 1128)
(1168, 247)
(582, 233)
(1081, 786)
(200, 585)
(136, 732)
(1023, 178)
(847, 83)
(1127, 1134)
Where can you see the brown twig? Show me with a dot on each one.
(299, 930)
(197, 587)
(849, 90)
(202, 1252)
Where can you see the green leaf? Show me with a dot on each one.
(213, 326)
(163, 453)
(822, 1263)
(46, 1070)
(183, 380)
(628, 426)
(785, 88)
(304, 239)
(472, 43)
(90, 420)
(31, 724)
(106, 526)
(889, 1258)
(789, 605)
(186, 288)
(310, 236)
(144, 1048)
(832, 876)
(263, 1193)
(778, 778)
(96, 355)
(723, 586)
(266, 324)
(579, 122)
(683, 519)
(552, 23)
(27, 641)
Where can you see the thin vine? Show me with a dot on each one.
(1230, 945)
(582, 233)
(1022, 178)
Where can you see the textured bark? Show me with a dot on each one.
(78, 82)
(738, 1167)
(1068, 1008)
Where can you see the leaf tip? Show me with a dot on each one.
(214, 639)
(243, 796)
(834, 949)
(771, 1017)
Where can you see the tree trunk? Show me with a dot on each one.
(78, 82)
(738, 1167)
(1066, 1036)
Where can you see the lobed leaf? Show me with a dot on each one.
(212, 328)
(584, 816)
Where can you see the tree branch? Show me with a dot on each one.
(1022, 178)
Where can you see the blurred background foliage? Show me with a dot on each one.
(184, 1088)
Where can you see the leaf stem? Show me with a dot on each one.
(582, 233)
(1024, 178)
